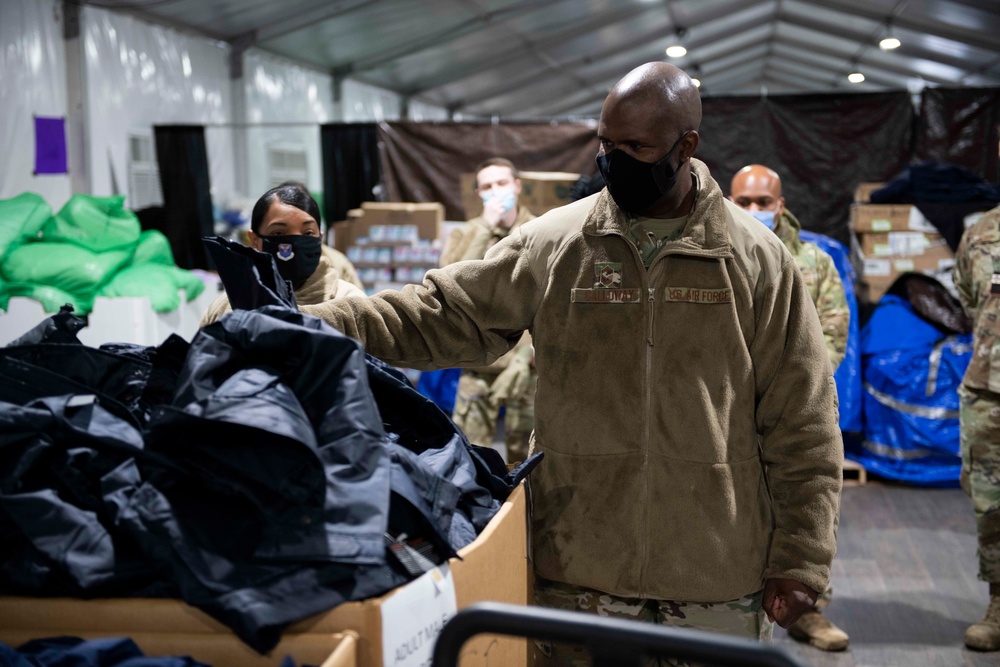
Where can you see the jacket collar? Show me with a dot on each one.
(787, 228)
(707, 230)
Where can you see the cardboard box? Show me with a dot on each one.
(895, 244)
(878, 273)
(541, 191)
(889, 218)
(862, 193)
(494, 567)
(426, 216)
(216, 649)
(345, 232)
(880, 217)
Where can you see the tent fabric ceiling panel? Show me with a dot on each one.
(533, 58)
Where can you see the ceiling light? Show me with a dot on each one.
(696, 82)
(676, 51)
(855, 77)
(889, 43)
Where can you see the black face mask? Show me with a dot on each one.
(297, 255)
(636, 185)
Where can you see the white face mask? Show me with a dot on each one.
(506, 197)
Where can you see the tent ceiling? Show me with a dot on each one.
(544, 58)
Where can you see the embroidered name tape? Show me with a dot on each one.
(698, 295)
(605, 295)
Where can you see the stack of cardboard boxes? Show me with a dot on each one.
(541, 191)
(391, 244)
(894, 239)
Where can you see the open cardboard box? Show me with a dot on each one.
(494, 567)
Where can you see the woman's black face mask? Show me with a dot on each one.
(636, 185)
(297, 255)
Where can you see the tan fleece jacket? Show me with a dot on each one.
(324, 284)
(663, 395)
(475, 237)
(472, 241)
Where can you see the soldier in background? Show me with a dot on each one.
(977, 278)
(509, 381)
(757, 189)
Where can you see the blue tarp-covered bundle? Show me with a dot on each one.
(848, 375)
(912, 368)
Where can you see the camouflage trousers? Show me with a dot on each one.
(477, 417)
(743, 618)
(979, 415)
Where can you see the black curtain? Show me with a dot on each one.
(821, 145)
(350, 167)
(187, 200)
(959, 125)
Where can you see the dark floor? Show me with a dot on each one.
(904, 580)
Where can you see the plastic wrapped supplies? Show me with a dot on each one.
(92, 247)
(912, 370)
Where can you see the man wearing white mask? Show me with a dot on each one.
(509, 381)
(498, 185)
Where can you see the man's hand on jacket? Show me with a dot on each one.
(786, 599)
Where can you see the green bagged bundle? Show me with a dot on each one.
(51, 298)
(153, 248)
(94, 223)
(21, 218)
(162, 284)
(65, 266)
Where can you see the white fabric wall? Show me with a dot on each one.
(138, 75)
(279, 91)
(421, 111)
(32, 82)
(361, 103)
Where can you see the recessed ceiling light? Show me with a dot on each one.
(855, 77)
(696, 82)
(676, 51)
(889, 43)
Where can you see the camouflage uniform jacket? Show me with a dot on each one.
(977, 277)
(687, 413)
(824, 285)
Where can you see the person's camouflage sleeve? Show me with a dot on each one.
(827, 292)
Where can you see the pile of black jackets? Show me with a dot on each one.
(266, 472)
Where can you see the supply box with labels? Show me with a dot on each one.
(895, 239)
(541, 191)
(391, 244)
(397, 629)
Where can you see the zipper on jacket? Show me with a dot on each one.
(652, 305)
(648, 430)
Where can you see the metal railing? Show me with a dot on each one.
(612, 642)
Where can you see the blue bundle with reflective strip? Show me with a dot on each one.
(911, 372)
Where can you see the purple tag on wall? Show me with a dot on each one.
(50, 145)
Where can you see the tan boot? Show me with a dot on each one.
(985, 635)
(814, 628)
